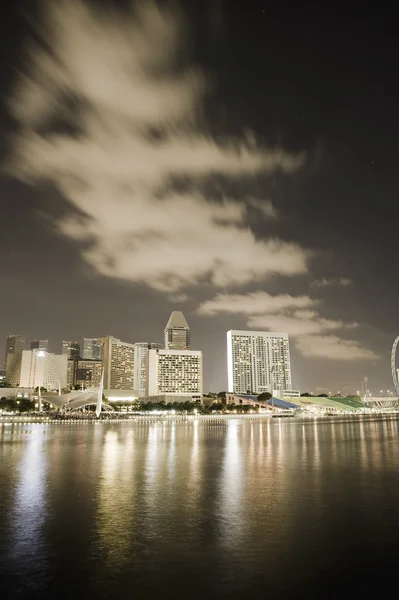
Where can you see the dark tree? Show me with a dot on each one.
(264, 397)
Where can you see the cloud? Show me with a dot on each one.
(128, 109)
(343, 281)
(296, 324)
(254, 303)
(333, 347)
(296, 315)
(179, 298)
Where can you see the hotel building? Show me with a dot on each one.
(258, 362)
(118, 361)
(39, 367)
(176, 374)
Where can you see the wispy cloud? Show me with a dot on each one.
(254, 303)
(298, 316)
(128, 109)
(343, 281)
(333, 347)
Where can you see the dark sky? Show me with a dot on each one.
(321, 82)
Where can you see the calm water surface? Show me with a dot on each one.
(235, 508)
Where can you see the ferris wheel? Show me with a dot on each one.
(393, 366)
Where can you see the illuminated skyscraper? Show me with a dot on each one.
(258, 362)
(12, 360)
(92, 349)
(39, 345)
(71, 349)
(177, 332)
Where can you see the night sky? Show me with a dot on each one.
(234, 160)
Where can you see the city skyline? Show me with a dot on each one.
(139, 360)
(257, 210)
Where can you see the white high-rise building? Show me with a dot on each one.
(257, 362)
(140, 365)
(39, 367)
(175, 374)
(92, 349)
(118, 360)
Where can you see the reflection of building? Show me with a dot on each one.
(42, 368)
(12, 360)
(86, 373)
(71, 349)
(140, 365)
(175, 373)
(39, 345)
(118, 359)
(177, 332)
(257, 362)
(92, 349)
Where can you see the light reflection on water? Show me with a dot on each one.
(236, 504)
(30, 498)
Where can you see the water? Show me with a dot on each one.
(227, 509)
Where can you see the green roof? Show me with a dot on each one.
(333, 403)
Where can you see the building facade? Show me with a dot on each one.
(84, 373)
(177, 332)
(15, 345)
(140, 365)
(92, 349)
(175, 373)
(71, 349)
(40, 368)
(258, 362)
(39, 345)
(118, 360)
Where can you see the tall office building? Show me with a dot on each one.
(118, 360)
(39, 367)
(71, 349)
(177, 332)
(92, 349)
(12, 360)
(39, 345)
(176, 374)
(140, 365)
(258, 362)
(14, 345)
